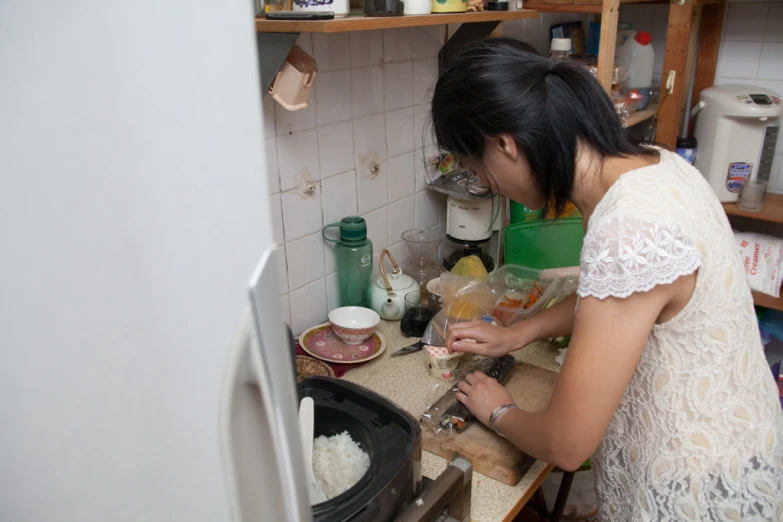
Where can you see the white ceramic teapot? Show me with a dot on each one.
(387, 294)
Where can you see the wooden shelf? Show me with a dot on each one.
(368, 23)
(580, 8)
(640, 116)
(772, 211)
(564, 8)
(767, 301)
(595, 8)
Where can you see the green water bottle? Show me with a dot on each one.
(353, 252)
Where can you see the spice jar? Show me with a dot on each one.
(384, 7)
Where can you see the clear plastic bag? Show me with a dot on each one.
(445, 416)
(463, 300)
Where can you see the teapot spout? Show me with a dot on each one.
(390, 308)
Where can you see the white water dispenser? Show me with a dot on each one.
(737, 130)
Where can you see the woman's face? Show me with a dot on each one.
(505, 168)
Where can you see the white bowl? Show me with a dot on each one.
(354, 324)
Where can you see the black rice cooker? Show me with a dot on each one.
(389, 435)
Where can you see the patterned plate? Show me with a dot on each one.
(320, 342)
(309, 367)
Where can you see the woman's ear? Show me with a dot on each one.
(507, 145)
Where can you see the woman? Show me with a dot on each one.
(665, 379)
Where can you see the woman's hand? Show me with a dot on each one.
(490, 340)
(482, 394)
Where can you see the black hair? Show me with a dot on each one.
(519, 44)
(495, 86)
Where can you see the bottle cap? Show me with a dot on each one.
(643, 37)
(353, 229)
(560, 44)
(686, 143)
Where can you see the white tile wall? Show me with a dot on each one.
(336, 152)
(355, 146)
(398, 45)
(739, 59)
(399, 132)
(368, 92)
(398, 85)
(270, 150)
(366, 48)
(333, 97)
(305, 259)
(297, 155)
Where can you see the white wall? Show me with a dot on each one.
(130, 222)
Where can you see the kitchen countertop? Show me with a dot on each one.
(406, 381)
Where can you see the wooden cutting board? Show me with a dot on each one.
(493, 456)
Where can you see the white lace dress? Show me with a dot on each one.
(698, 434)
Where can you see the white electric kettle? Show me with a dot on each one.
(387, 294)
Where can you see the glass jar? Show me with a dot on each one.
(384, 7)
(272, 6)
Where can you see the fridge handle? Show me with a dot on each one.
(259, 429)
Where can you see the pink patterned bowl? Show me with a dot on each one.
(353, 324)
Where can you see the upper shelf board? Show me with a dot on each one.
(595, 6)
(368, 23)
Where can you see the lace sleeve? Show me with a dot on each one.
(624, 254)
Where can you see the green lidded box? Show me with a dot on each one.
(544, 244)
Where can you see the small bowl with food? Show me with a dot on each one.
(354, 324)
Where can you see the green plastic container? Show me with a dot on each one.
(544, 244)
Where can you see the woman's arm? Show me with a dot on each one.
(607, 343)
(553, 322)
(493, 341)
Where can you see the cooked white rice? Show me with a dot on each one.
(338, 463)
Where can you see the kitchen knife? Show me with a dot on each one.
(409, 349)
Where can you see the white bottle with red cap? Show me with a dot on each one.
(638, 58)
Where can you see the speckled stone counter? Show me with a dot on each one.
(406, 381)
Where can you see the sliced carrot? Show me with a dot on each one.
(533, 299)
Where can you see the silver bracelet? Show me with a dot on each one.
(497, 413)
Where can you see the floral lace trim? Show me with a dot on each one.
(625, 254)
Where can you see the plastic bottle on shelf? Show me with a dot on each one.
(560, 50)
(353, 257)
(638, 58)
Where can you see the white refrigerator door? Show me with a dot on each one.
(259, 432)
(133, 208)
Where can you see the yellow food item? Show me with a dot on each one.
(463, 310)
(568, 211)
(470, 266)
